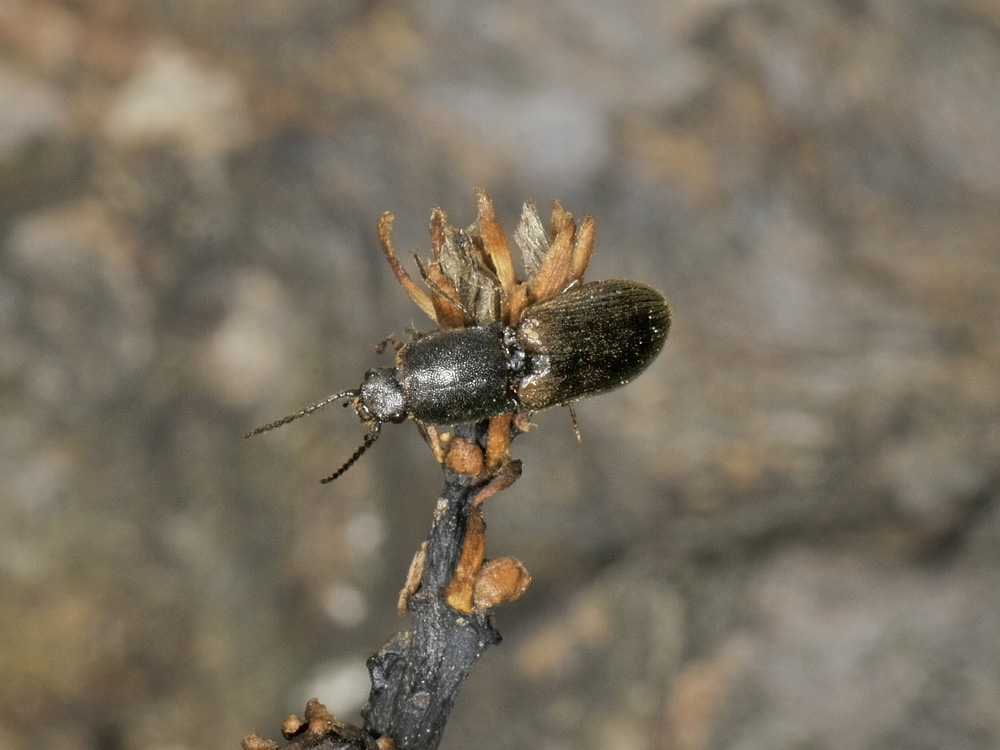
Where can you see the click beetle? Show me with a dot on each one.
(584, 341)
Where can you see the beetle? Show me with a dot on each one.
(587, 340)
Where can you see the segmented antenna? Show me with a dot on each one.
(370, 438)
(304, 413)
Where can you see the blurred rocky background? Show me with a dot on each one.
(786, 534)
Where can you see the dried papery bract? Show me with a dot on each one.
(495, 246)
(567, 257)
(531, 239)
(472, 269)
(462, 261)
(420, 298)
(470, 278)
(583, 249)
(450, 312)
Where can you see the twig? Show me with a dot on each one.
(416, 676)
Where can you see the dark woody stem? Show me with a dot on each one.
(417, 675)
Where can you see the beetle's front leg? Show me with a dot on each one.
(384, 344)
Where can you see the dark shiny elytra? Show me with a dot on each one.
(589, 340)
(577, 344)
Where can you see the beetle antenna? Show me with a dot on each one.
(304, 413)
(370, 438)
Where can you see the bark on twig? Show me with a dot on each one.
(416, 676)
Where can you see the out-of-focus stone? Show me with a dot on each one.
(250, 350)
(174, 99)
(29, 110)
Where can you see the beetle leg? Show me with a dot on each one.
(576, 425)
(433, 438)
(384, 344)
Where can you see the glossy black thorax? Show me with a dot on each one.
(456, 376)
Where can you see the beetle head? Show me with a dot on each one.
(382, 398)
(379, 399)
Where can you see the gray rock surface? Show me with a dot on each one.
(784, 535)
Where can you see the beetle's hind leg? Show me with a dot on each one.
(576, 424)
